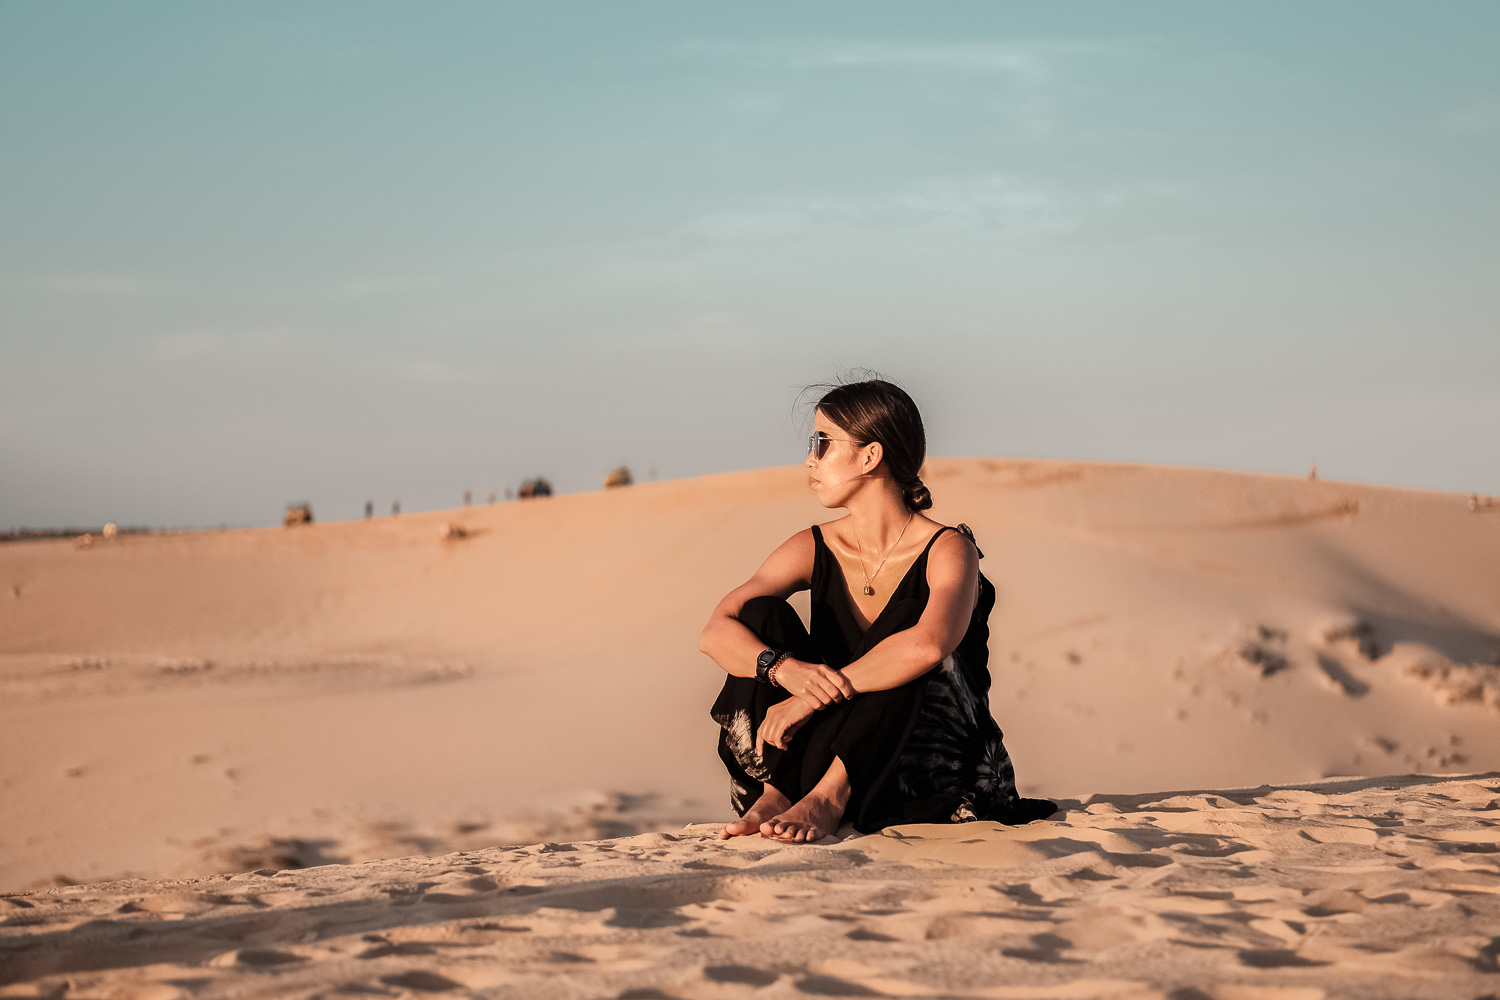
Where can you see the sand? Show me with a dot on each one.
(1363, 888)
(177, 706)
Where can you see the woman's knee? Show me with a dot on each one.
(773, 620)
(764, 608)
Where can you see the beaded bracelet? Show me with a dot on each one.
(771, 672)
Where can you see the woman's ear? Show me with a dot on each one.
(874, 452)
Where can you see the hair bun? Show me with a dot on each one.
(917, 496)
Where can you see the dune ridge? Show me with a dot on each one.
(185, 704)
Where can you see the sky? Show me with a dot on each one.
(339, 252)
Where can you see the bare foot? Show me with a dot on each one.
(815, 817)
(769, 804)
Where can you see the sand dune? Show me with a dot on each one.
(1362, 888)
(180, 705)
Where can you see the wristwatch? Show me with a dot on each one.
(767, 659)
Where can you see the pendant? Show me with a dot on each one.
(869, 590)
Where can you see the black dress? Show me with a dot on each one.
(925, 752)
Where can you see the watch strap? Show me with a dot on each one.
(764, 663)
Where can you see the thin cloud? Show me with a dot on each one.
(236, 346)
(737, 226)
(994, 201)
(986, 203)
(1032, 61)
(1025, 82)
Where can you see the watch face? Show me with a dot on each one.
(766, 658)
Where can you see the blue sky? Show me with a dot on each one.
(258, 253)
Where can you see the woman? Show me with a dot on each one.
(880, 715)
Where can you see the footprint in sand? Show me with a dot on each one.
(1351, 631)
(263, 957)
(1264, 648)
(1274, 958)
(387, 948)
(1452, 684)
(1047, 948)
(421, 981)
(742, 974)
(832, 986)
(1339, 678)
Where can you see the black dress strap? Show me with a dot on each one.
(968, 533)
(962, 529)
(935, 535)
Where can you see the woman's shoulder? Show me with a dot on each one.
(955, 543)
(792, 561)
(801, 540)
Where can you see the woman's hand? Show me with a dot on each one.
(816, 683)
(781, 723)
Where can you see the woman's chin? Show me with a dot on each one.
(829, 498)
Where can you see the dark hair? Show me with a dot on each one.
(877, 410)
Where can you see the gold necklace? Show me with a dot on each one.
(869, 590)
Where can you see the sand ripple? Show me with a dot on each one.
(1384, 887)
(50, 676)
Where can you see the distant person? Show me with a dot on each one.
(395, 507)
(881, 714)
(369, 509)
(468, 497)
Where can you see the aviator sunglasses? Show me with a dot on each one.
(817, 445)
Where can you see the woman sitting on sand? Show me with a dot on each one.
(880, 715)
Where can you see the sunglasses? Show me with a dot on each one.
(817, 445)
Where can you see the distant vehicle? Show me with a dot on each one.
(298, 513)
(537, 487)
(618, 477)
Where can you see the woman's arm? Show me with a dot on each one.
(734, 647)
(953, 579)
